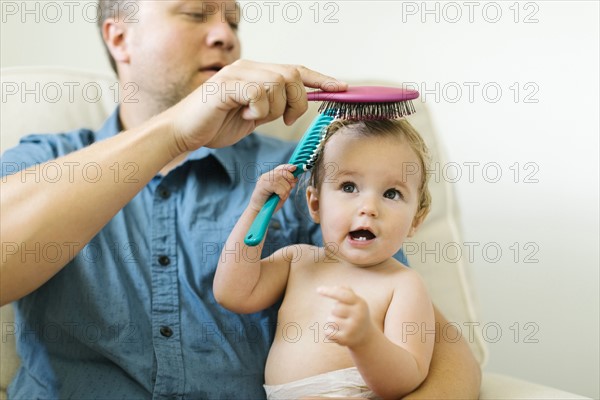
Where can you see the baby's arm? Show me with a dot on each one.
(394, 362)
(243, 282)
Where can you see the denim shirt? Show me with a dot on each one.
(133, 314)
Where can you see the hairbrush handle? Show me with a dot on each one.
(257, 231)
(302, 157)
(365, 94)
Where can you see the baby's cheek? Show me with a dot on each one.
(334, 226)
(402, 230)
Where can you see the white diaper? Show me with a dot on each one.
(341, 383)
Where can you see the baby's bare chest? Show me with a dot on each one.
(304, 306)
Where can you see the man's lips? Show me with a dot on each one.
(212, 67)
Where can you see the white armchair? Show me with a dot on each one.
(41, 99)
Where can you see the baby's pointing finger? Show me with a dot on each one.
(339, 293)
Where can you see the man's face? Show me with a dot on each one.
(175, 46)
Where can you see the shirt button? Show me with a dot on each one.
(275, 224)
(164, 260)
(166, 331)
(163, 192)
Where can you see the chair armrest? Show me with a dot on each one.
(497, 386)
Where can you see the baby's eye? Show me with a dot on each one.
(348, 187)
(393, 194)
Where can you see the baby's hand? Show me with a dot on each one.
(280, 181)
(350, 315)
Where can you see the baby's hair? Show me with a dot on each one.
(399, 128)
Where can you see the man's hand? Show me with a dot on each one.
(240, 97)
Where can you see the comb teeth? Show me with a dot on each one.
(368, 111)
(312, 159)
(307, 151)
(310, 151)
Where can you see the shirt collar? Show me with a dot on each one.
(111, 126)
(230, 157)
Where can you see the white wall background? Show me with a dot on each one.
(513, 89)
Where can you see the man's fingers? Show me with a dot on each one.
(317, 80)
(268, 91)
(287, 87)
(297, 103)
(260, 90)
(258, 107)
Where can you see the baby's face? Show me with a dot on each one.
(368, 198)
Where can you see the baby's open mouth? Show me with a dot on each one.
(362, 235)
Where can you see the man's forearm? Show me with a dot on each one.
(454, 372)
(69, 211)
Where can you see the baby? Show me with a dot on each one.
(355, 304)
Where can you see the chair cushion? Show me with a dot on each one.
(498, 386)
(50, 99)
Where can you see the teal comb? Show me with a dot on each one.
(303, 158)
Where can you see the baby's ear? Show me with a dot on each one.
(312, 200)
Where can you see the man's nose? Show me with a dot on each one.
(221, 34)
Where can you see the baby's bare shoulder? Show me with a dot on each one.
(300, 255)
(408, 284)
(400, 275)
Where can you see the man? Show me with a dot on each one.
(130, 292)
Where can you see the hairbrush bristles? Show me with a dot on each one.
(362, 103)
(368, 111)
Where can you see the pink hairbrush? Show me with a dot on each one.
(367, 102)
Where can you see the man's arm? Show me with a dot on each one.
(67, 212)
(453, 373)
(70, 212)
